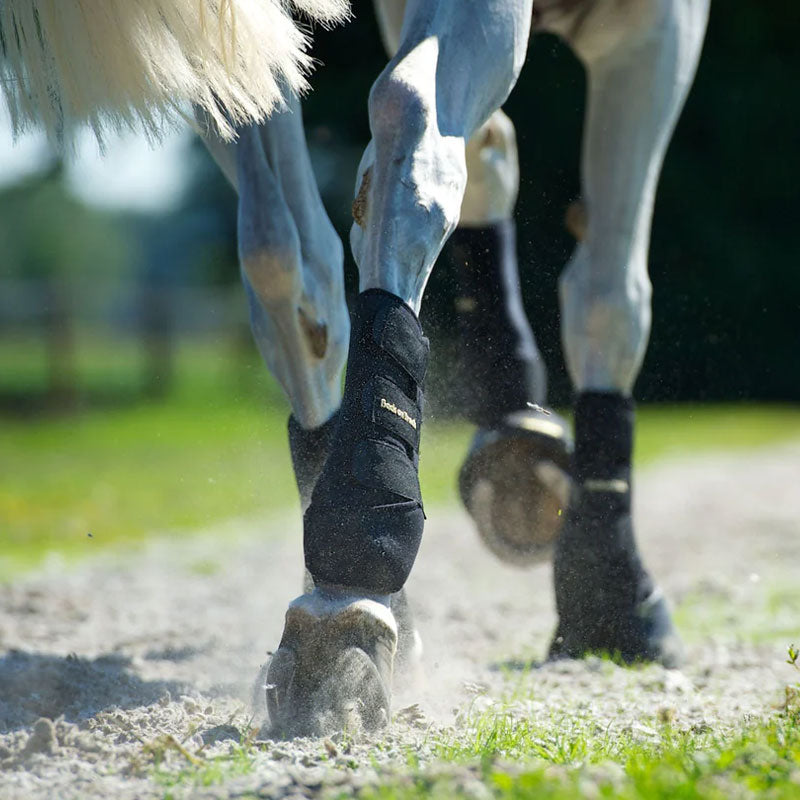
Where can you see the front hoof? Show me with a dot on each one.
(514, 483)
(333, 669)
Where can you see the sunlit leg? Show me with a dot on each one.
(640, 66)
(291, 260)
(455, 65)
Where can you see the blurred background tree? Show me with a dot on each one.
(723, 259)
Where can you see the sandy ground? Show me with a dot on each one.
(102, 663)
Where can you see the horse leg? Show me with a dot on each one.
(640, 67)
(291, 260)
(282, 138)
(456, 63)
(514, 479)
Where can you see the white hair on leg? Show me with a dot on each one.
(291, 259)
(120, 64)
(638, 78)
(423, 108)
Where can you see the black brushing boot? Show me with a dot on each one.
(607, 602)
(310, 448)
(502, 369)
(364, 525)
(513, 481)
(334, 667)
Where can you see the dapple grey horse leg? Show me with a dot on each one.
(444, 82)
(641, 61)
(513, 481)
(640, 57)
(491, 152)
(456, 63)
(291, 259)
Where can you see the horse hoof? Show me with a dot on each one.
(333, 669)
(646, 634)
(408, 659)
(607, 602)
(408, 672)
(515, 485)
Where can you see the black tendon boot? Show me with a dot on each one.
(364, 525)
(310, 448)
(334, 666)
(605, 598)
(513, 481)
(501, 364)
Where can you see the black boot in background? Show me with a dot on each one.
(514, 480)
(607, 602)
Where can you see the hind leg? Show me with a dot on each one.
(364, 525)
(514, 480)
(640, 67)
(291, 260)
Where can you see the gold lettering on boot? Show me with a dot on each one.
(398, 412)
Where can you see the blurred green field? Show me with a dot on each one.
(215, 448)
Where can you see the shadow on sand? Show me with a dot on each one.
(34, 685)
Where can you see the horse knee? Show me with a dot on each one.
(424, 170)
(400, 106)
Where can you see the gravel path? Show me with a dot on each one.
(109, 667)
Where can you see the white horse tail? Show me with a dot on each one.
(117, 64)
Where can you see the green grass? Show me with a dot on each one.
(762, 761)
(215, 448)
(496, 755)
(504, 754)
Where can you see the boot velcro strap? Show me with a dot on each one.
(381, 466)
(397, 331)
(395, 412)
